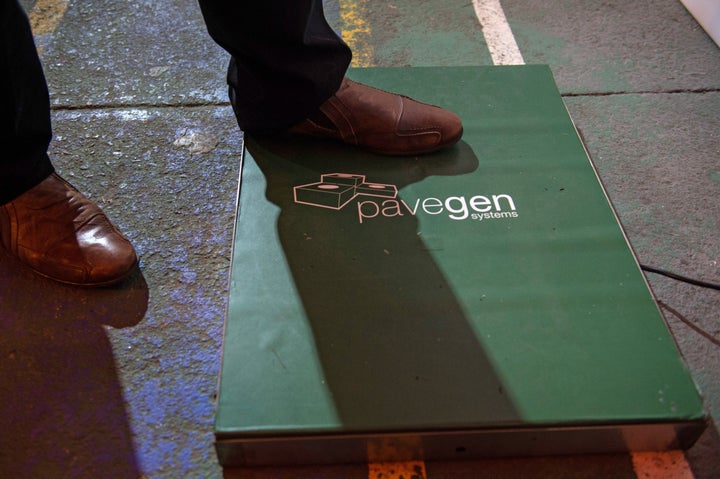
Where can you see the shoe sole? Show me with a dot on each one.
(100, 284)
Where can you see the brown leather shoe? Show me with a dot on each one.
(382, 122)
(64, 236)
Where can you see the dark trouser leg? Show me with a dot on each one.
(286, 60)
(25, 129)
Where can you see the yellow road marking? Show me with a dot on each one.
(387, 458)
(45, 17)
(661, 465)
(356, 31)
(397, 470)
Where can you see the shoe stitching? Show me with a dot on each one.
(435, 129)
(335, 110)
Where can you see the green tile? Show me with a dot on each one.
(483, 300)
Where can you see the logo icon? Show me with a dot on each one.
(335, 190)
(378, 200)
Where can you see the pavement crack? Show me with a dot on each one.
(644, 92)
(125, 106)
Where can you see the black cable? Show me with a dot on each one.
(652, 269)
(690, 324)
(675, 312)
(685, 279)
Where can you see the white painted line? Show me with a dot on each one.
(498, 35)
(707, 14)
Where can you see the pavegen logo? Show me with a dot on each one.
(336, 190)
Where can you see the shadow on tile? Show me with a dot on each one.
(62, 412)
(704, 456)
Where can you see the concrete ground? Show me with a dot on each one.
(120, 382)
